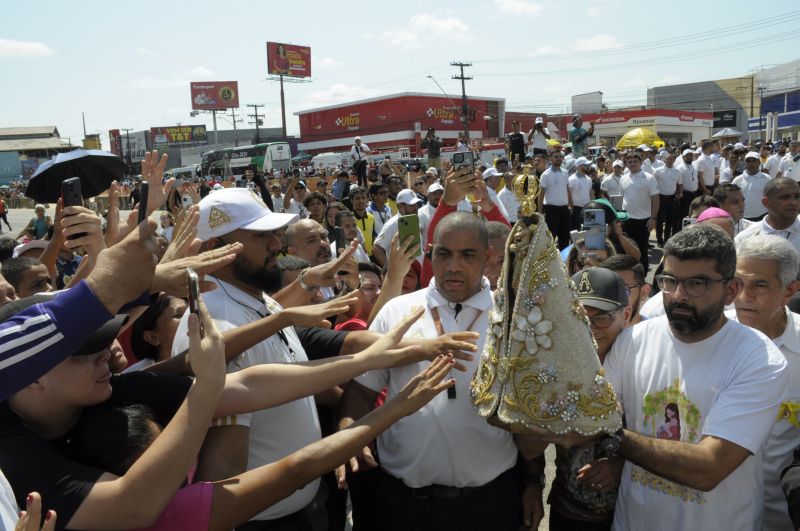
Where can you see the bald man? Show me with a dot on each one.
(436, 459)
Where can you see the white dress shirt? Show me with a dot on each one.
(752, 187)
(446, 442)
(668, 179)
(791, 233)
(637, 191)
(554, 183)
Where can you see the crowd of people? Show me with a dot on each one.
(330, 355)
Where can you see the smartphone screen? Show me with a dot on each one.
(193, 285)
(145, 191)
(409, 226)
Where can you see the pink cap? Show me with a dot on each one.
(711, 213)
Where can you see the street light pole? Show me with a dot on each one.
(128, 149)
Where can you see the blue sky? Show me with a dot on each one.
(129, 64)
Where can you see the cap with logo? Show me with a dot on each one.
(408, 197)
(230, 209)
(600, 288)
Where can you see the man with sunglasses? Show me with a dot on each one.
(700, 395)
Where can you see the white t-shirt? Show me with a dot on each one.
(790, 168)
(296, 207)
(637, 190)
(538, 140)
(580, 186)
(510, 203)
(668, 179)
(726, 175)
(653, 306)
(688, 177)
(9, 513)
(791, 233)
(772, 165)
(446, 442)
(706, 165)
(727, 386)
(554, 183)
(785, 436)
(611, 186)
(497, 203)
(278, 431)
(167, 232)
(752, 187)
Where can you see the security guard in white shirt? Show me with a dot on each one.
(447, 468)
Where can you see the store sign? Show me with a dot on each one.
(181, 135)
(725, 118)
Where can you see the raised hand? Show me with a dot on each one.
(325, 275)
(316, 315)
(385, 352)
(402, 257)
(80, 220)
(206, 349)
(170, 277)
(457, 184)
(184, 237)
(29, 518)
(153, 173)
(424, 386)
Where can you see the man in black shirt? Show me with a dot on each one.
(515, 144)
(433, 144)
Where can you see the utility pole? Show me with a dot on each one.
(235, 118)
(256, 120)
(128, 149)
(464, 104)
(760, 111)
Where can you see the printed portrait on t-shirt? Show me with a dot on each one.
(671, 428)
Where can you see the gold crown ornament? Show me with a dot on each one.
(526, 188)
(539, 365)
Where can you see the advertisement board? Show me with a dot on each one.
(114, 142)
(725, 118)
(134, 142)
(179, 135)
(288, 60)
(391, 114)
(214, 95)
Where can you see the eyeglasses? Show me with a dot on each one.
(628, 289)
(694, 287)
(420, 183)
(603, 320)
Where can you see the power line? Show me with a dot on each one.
(691, 38)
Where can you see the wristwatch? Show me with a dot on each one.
(612, 445)
(303, 284)
(540, 480)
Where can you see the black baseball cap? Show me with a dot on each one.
(600, 288)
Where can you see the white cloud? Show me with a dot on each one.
(198, 73)
(668, 80)
(338, 93)
(147, 51)
(423, 28)
(17, 49)
(602, 41)
(329, 62)
(543, 51)
(593, 11)
(519, 7)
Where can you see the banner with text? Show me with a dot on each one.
(179, 135)
(288, 60)
(214, 95)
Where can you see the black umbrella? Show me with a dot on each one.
(95, 168)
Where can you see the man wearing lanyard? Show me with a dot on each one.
(447, 468)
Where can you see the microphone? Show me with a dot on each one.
(457, 310)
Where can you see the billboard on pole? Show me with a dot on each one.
(214, 95)
(179, 135)
(288, 60)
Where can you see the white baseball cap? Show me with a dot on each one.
(435, 187)
(752, 155)
(29, 245)
(432, 170)
(687, 151)
(491, 172)
(230, 209)
(408, 197)
(539, 120)
(738, 145)
(582, 161)
(618, 163)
